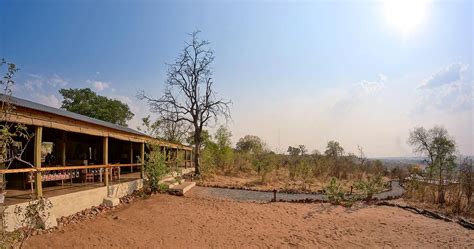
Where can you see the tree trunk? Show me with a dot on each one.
(197, 161)
(441, 187)
(197, 152)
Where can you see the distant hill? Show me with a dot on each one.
(392, 162)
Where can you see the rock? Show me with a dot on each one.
(49, 221)
(111, 201)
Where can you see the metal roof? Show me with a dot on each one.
(43, 108)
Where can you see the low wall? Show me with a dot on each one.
(69, 204)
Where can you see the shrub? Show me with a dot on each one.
(264, 164)
(155, 168)
(334, 191)
(370, 187)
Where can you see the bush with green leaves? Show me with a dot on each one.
(264, 163)
(334, 191)
(155, 168)
(371, 186)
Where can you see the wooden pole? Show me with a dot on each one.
(105, 158)
(131, 156)
(142, 159)
(37, 160)
(176, 158)
(63, 149)
(185, 159)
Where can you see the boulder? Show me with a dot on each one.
(111, 201)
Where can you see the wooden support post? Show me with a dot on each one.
(176, 158)
(63, 149)
(131, 156)
(142, 160)
(105, 158)
(185, 158)
(37, 160)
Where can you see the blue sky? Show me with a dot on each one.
(360, 72)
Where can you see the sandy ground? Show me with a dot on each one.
(165, 221)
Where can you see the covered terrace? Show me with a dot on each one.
(69, 152)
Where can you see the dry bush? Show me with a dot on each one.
(426, 194)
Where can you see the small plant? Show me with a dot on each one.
(370, 187)
(155, 168)
(162, 187)
(32, 217)
(334, 191)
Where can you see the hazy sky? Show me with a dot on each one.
(359, 72)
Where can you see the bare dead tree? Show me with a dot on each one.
(189, 95)
(362, 157)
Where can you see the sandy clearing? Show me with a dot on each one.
(194, 222)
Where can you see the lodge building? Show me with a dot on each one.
(75, 160)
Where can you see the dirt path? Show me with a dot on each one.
(194, 222)
(262, 196)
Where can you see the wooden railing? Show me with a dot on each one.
(186, 164)
(58, 168)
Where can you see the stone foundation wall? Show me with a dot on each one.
(69, 204)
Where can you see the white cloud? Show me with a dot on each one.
(37, 82)
(49, 100)
(99, 85)
(450, 74)
(57, 81)
(369, 87)
(448, 90)
(359, 93)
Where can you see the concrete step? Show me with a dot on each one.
(172, 182)
(166, 179)
(182, 188)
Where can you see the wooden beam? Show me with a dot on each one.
(39, 118)
(142, 160)
(105, 158)
(37, 160)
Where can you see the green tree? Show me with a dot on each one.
(222, 137)
(333, 149)
(155, 168)
(205, 139)
(86, 102)
(466, 176)
(438, 148)
(250, 144)
(224, 151)
(293, 151)
(264, 163)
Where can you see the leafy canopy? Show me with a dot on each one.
(333, 149)
(86, 102)
(250, 144)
